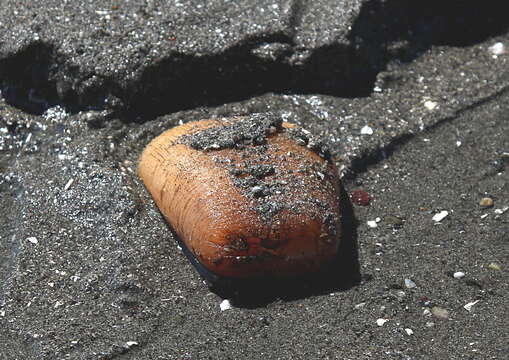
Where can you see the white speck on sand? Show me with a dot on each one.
(469, 306)
(360, 305)
(68, 185)
(430, 105)
(497, 49)
(32, 240)
(410, 284)
(366, 130)
(440, 216)
(501, 211)
(459, 275)
(372, 223)
(225, 305)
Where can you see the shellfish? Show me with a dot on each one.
(249, 196)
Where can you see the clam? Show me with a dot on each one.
(249, 196)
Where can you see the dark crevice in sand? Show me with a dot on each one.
(402, 30)
(38, 77)
(25, 78)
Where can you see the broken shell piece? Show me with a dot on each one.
(250, 206)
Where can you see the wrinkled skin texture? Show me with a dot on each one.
(221, 222)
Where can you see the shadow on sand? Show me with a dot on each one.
(342, 274)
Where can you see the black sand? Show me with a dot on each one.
(413, 99)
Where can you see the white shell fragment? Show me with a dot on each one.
(458, 275)
(410, 284)
(497, 48)
(32, 240)
(468, 306)
(430, 105)
(360, 305)
(372, 223)
(225, 305)
(440, 216)
(501, 211)
(366, 130)
(68, 184)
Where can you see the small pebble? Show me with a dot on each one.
(360, 197)
(32, 240)
(372, 223)
(410, 284)
(360, 305)
(501, 211)
(366, 130)
(494, 266)
(486, 202)
(458, 275)
(68, 185)
(426, 312)
(498, 165)
(497, 48)
(257, 191)
(439, 312)
(225, 305)
(425, 301)
(381, 322)
(440, 216)
(430, 105)
(393, 221)
(409, 331)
